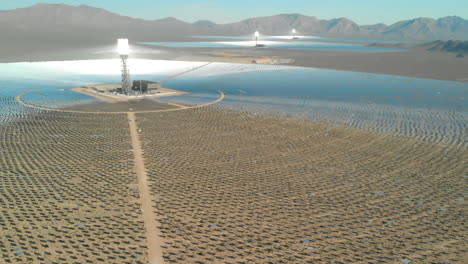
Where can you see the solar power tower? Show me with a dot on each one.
(124, 50)
(256, 38)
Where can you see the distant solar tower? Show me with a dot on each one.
(123, 50)
(256, 38)
(294, 33)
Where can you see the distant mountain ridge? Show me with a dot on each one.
(60, 20)
(448, 46)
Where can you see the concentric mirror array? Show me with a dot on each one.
(234, 187)
(68, 190)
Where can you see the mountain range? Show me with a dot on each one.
(60, 21)
(448, 46)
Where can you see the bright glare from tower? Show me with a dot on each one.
(256, 38)
(122, 47)
(124, 50)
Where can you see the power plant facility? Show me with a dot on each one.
(128, 87)
(141, 86)
(257, 35)
(138, 87)
(294, 34)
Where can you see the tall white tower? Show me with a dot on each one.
(124, 50)
(256, 38)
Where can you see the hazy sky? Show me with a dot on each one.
(224, 11)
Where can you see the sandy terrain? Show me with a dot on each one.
(413, 63)
(111, 98)
(149, 217)
(107, 98)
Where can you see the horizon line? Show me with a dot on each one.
(209, 20)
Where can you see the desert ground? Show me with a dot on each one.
(411, 63)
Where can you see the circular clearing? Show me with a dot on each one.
(178, 107)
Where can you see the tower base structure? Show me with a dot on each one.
(126, 85)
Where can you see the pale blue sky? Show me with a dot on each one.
(223, 11)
